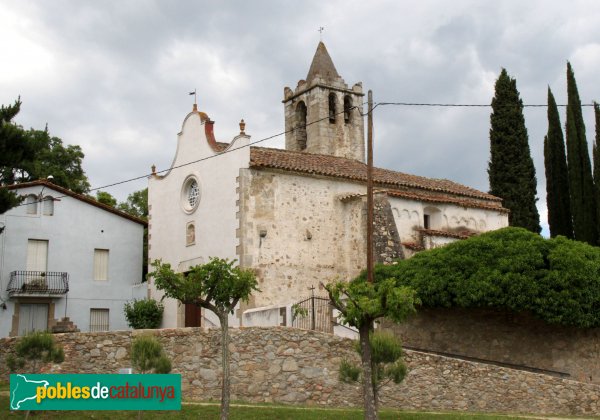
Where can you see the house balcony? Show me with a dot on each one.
(38, 284)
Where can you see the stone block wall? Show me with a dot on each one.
(505, 337)
(285, 365)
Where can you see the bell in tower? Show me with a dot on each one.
(323, 115)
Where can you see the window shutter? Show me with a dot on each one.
(101, 264)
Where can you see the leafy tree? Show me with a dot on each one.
(557, 177)
(217, 286)
(511, 171)
(106, 198)
(13, 149)
(387, 364)
(34, 154)
(53, 158)
(581, 183)
(361, 303)
(33, 349)
(137, 205)
(144, 314)
(557, 280)
(147, 355)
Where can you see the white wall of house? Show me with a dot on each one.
(73, 232)
(214, 217)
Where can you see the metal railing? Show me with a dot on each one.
(38, 283)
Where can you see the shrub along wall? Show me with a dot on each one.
(294, 366)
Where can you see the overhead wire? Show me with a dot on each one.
(357, 107)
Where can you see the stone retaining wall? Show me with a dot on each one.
(294, 366)
(506, 337)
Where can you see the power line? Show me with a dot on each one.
(407, 104)
(204, 158)
(451, 105)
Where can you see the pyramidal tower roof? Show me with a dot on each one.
(322, 65)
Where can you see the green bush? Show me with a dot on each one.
(144, 314)
(34, 348)
(147, 355)
(557, 280)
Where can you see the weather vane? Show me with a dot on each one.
(321, 29)
(194, 93)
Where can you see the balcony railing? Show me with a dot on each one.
(38, 283)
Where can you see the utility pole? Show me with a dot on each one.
(370, 188)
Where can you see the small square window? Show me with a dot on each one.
(99, 319)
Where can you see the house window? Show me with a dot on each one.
(48, 206)
(190, 234)
(347, 108)
(101, 264)
(426, 221)
(432, 218)
(31, 204)
(332, 106)
(32, 317)
(37, 255)
(98, 319)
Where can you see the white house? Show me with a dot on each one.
(63, 255)
(297, 216)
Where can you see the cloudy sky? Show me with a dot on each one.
(114, 76)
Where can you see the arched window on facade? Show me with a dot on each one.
(332, 107)
(48, 206)
(301, 125)
(190, 234)
(347, 108)
(31, 204)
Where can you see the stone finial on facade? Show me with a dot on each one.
(242, 126)
(153, 169)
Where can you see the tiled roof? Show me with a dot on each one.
(433, 197)
(444, 233)
(80, 197)
(339, 167)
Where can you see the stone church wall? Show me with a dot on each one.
(296, 233)
(285, 365)
(516, 339)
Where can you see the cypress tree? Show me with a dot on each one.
(511, 171)
(581, 182)
(596, 155)
(557, 178)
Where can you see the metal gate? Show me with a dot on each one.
(313, 313)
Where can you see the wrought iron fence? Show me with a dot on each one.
(38, 283)
(313, 313)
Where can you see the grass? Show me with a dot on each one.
(244, 412)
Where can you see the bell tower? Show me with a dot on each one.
(323, 115)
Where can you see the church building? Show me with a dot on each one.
(297, 216)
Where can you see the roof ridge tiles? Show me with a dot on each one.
(340, 167)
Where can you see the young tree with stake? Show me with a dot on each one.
(217, 286)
